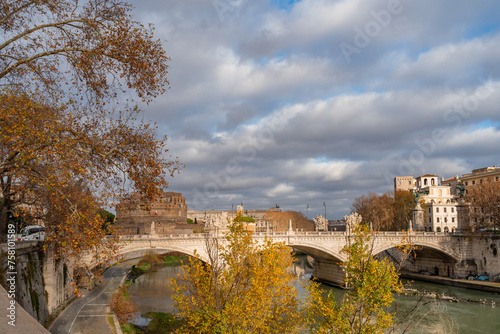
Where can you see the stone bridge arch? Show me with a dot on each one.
(440, 249)
(319, 252)
(188, 247)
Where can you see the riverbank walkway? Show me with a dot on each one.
(88, 314)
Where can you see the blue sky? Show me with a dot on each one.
(301, 102)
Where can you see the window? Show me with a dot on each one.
(497, 178)
(409, 182)
(452, 209)
(452, 219)
(466, 183)
(425, 182)
(437, 220)
(444, 210)
(438, 229)
(437, 209)
(473, 182)
(432, 181)
(445, 219)
(429, 210)
(399, 183)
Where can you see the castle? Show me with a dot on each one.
(169, 215)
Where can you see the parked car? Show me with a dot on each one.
(33, 232)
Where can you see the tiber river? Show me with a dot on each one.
(151, 293)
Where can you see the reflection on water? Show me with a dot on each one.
(152, 293)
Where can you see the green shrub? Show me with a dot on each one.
(245, 219)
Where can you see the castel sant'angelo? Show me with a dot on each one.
(169, 215)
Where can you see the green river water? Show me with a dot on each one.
(151, 293)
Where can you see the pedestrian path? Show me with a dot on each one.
(88, 314)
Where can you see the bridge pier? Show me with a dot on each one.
(329, 272)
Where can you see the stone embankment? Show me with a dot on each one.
(460, 283)
(19, 321)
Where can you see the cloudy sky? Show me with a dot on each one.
(303, 102)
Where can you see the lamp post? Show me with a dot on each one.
(136, 222)
(324, 204)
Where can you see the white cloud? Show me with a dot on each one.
(280, 190)
(270, 90)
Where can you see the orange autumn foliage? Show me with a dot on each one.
(245, 287)
(71, 138)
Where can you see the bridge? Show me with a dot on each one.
(320, 245)
(441, 253)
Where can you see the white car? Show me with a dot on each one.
(34, 232)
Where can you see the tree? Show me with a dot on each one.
(122, 305)
(377, 210)
(389, 211)
(245, 287)
(67, 134)
(371, 283)
(78, 48)
(404, 203)
(109, 220)
(483, 206)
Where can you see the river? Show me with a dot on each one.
(152, 293)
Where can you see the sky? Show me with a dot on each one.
(312, 103)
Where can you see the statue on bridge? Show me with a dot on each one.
(217, 222)
(153, 229)
(320, 223)
(461, 189)
(352, 221)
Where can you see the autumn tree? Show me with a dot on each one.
(75, 48)
(376, 210)
(123, 305)
(245, 287)
(483, 206)
(404, 203)
(371, 282)
(71, 136)
(389, 211)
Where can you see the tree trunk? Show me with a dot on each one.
(6, 208)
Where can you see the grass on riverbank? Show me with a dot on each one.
(160, 322)
(152, 261)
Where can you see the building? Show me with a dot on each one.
(404, 183)
(452, 182)
(460, 184)
(439, 203)
(169, 214)
(266, 220)
(478, 176)
(204, 215)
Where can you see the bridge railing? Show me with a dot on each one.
(282, 234)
